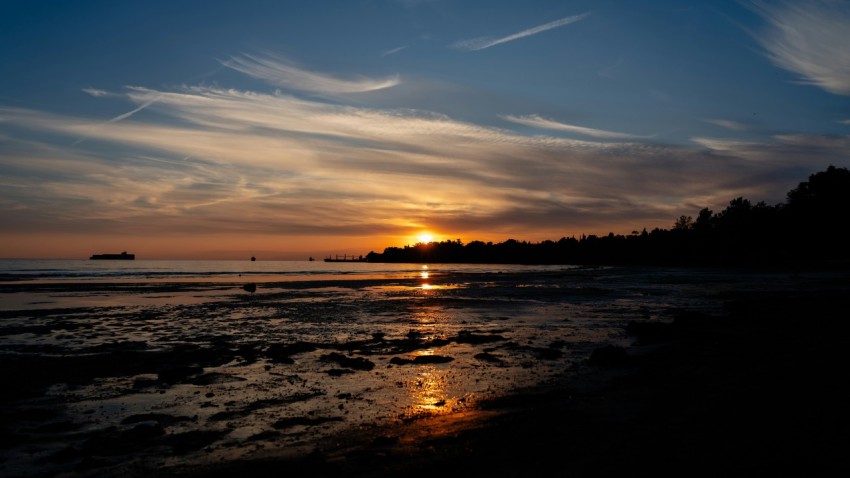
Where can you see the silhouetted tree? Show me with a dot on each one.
(684, 223)
(808, 226)
(817, 211)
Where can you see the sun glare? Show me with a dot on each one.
(425, 238)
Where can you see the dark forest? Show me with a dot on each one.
(807, 229)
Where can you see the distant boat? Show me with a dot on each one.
(253, 258)
(345, 258)
(120, 257)
(311, 258)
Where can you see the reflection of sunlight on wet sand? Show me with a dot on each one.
(428, 390)
(426, 286)
(424, 275)
(429, 316)
(429, 387)
(430, 393)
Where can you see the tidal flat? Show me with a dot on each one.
(109, 378)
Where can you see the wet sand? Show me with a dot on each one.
(750, 379)
(761, 390)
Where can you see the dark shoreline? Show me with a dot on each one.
(759, 391)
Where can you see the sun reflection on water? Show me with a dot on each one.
(428, 391)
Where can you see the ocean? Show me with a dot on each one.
(75, 269)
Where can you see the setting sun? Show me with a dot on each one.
(425, 238)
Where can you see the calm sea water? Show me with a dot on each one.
(75, 269)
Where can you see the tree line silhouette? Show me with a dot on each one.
(807, 228)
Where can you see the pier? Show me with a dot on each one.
(345, 258)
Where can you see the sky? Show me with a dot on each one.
(222, 130)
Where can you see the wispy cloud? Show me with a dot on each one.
(134, 110)
(394, 51)
(810, 38)
(608, 71)
(282, 72)
(121, 116)
(733, 146)
(783, 150)
(481, 43)
(728, 124)
(96, 92)
(539, 122)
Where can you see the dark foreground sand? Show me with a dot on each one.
(758, 388)
(763, 390)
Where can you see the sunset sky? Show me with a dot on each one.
(196, 129)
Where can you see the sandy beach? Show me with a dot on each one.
(588, 371)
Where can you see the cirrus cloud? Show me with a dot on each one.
(810, 38)
(482, 43)
(539, 122)
(279, 71)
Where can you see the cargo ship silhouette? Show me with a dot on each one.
(123, 256)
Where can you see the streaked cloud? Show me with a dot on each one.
(783, 150)
(121, 117)
(133, 111)
(281, 72)
(728, 124)
(609, 71)
(96, 92)
(809, 38)
(538, 122)
(816, 143)
(725, 145)
(394, 51)
(482, 43)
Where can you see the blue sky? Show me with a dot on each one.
(220, 129)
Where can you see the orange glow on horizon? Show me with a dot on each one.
(232, 246)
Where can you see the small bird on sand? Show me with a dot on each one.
(250, 287)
